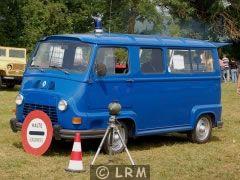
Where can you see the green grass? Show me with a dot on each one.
(169, 156)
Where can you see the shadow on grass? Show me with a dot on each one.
(215, 139)
(89, 147)
(64, 148)
(18, 145)
(144, 143)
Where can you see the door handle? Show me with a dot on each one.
(130, 80)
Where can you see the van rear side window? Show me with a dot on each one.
(114, 58)
(190, 61)
(151, 60)
(202, 60)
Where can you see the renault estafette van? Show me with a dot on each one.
(163, 85)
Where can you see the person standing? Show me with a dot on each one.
(226, 71)
(233, 69)
(238, 84)
(222, 69)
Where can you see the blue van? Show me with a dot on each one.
(163, 85)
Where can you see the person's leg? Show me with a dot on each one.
(222, 79)
(235, 75)
(238, 85)
(228, 75)
(224, 75)
(232, 75)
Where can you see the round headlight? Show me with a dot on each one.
(19, 99)
(62, 105)
(9, 67)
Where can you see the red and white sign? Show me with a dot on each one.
(37, 133)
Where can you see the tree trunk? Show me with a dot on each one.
(133, 15)
(131, 24)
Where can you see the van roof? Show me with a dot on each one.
(133, 39)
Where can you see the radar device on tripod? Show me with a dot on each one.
(114, 109)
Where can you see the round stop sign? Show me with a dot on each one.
(37, 133)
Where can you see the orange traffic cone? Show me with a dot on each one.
(76, 164)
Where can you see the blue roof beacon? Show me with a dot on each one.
(163, 84)
(98, 23)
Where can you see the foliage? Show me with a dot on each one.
(11, 22)
(44, 18)
(23, 22)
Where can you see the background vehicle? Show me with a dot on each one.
(12, 65)
(163, 85)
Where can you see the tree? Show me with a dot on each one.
(11, 22)
(43, 18)
(23, 22)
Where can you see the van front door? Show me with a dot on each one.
(114, 85)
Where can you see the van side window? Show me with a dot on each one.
(114, 58)
(190, 61)
(202, 60)
(2, 52)
(179, 61)
(151, 60)
(16, 53)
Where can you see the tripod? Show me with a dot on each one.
(112, 127)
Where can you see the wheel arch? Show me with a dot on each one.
(131, 125)
(213, 111)
(2, 72)
(211, 115)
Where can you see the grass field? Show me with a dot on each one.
(169, 156)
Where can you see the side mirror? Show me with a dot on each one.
(101, 69)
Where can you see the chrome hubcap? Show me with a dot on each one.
(203, 128)
(116, 141)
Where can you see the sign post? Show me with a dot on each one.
(37, 133)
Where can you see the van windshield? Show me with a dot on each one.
(62, 55)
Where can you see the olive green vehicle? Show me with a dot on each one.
(12, 65)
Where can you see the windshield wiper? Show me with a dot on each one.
(37, 67)
(60, 69)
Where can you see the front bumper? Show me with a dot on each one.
(60, 133)
(16, 79)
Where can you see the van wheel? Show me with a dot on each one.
(117, 146)
(0, 81)
(202, 131)
(10, 85)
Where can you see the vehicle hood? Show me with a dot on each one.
(43, 90)
(52, 82)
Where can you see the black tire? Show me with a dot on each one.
(10, 85)
(117, 147)
(202, 131)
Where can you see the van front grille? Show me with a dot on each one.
(51, 111)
